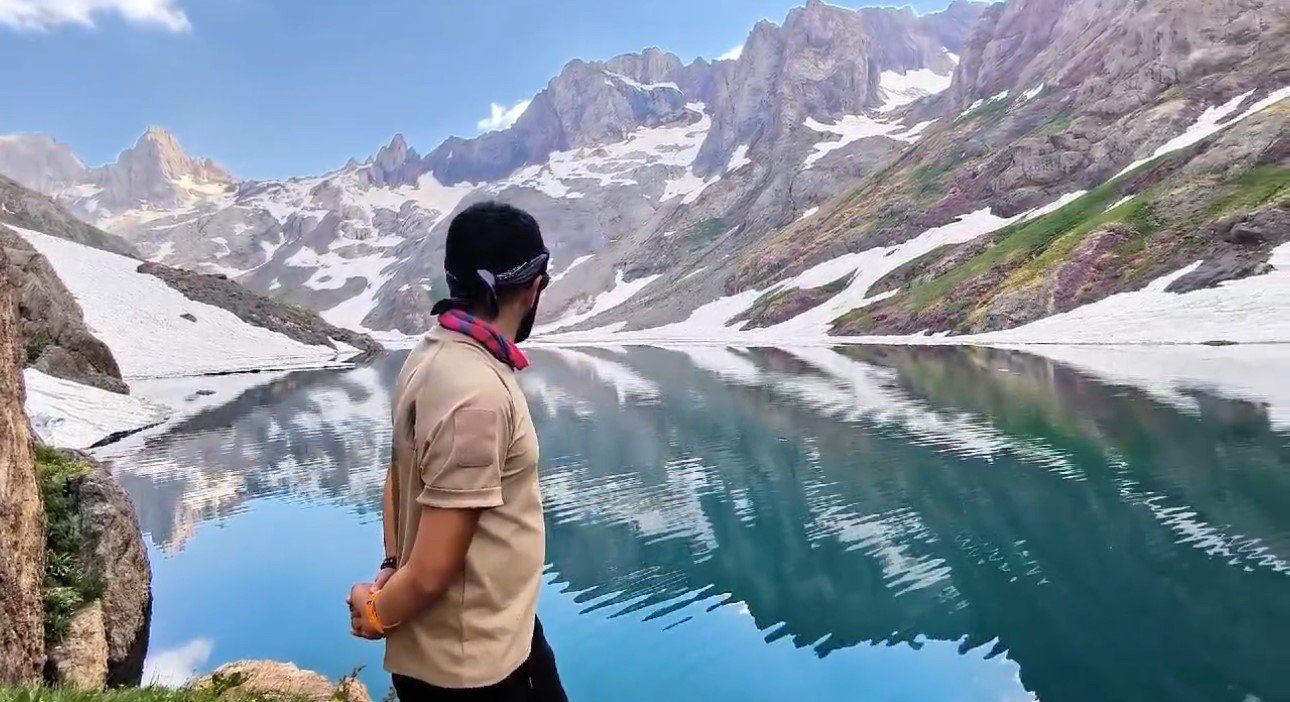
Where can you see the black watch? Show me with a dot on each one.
(391, 562)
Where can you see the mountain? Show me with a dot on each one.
(852, 172)
(608, 151)
(38, 162)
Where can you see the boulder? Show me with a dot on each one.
(115, 554)
(22, 533)
(81, 659)
(282, 680)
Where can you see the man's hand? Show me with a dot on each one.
(382, 578)
(357, 601)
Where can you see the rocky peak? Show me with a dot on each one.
(823, 63)
(396, 164)
(159, 153)
(39, 162)
(156, 171)
(589, 103)
(651, 66)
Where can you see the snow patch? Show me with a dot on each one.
(904, 88)
(71, 415)
(852, 128)
(738, 159)
(567, 269)
(869, 266)
(1211, 122)
(647, 87)
(1121, 201)
(672, 147)
(1033, 92)
(615, 296)
(808, 213)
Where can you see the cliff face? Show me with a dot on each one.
(22, 551)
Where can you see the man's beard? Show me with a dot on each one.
(526, 325)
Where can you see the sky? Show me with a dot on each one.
(279, 88)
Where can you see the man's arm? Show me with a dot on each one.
(437, 560)
(389, 529)
(461, 474)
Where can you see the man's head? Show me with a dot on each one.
(496, 264)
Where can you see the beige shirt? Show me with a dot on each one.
(463, 438)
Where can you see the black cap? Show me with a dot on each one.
(491, 246)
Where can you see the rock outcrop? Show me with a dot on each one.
(115, 556)
(282, 681)
(80, 660)
(22, 537)
(299, 324)
(53, 334)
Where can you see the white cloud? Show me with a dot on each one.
(44, 14)
(500, 116)
(731, 55)
(177, 666)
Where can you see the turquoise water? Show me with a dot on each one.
(811, 524)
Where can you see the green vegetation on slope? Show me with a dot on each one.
(1030, 250)
(782, 304)
(67, 585)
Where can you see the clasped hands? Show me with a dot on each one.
(359, 623)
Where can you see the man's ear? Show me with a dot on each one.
(535, 289)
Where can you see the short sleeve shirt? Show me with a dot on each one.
(463, 438)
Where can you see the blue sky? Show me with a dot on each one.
(275, 88)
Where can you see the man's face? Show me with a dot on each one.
(534, 298)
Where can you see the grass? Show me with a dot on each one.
(221, 688)
(1058, 123)
(926, 179)
(705, 232)
(1253, 188)
(67, 585)
(36, 346)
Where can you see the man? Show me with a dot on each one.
(456, 597)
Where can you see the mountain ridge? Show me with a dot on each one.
(833, 133)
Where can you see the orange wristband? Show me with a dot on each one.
(374, 620)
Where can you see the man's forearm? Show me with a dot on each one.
(437, 559)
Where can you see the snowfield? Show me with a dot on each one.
(141, 320)
(70, 415)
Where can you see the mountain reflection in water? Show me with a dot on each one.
(1072, 539)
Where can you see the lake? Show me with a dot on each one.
(850, 523)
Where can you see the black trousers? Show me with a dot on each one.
(536, 680)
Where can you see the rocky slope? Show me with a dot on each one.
(1044, 107)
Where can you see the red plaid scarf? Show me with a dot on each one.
(502, 348)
